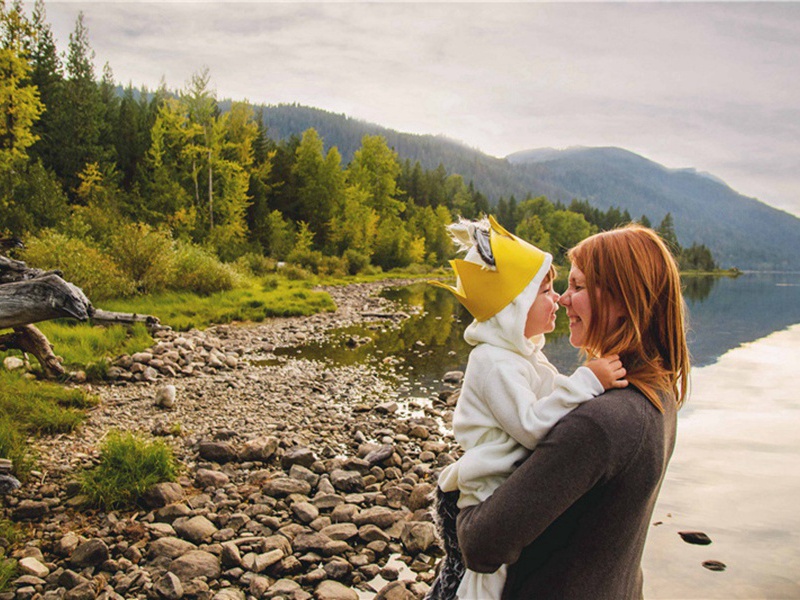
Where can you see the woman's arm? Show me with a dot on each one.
(566, 464)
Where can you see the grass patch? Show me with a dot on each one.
(8, 571)
(8, 531)
(418, 272)
(273, 296)
(33, 407)
(129, 465)
(82, 344)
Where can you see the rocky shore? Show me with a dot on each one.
(301, 479)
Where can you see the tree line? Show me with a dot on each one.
(84, 159)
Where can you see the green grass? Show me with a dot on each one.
(33, 407)
(416, 272)
(8, 531)
(8, 571)
(270, 297)
(81, 344)
(129, 465)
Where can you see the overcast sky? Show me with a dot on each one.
(710, 86)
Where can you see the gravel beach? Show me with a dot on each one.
(300, 480)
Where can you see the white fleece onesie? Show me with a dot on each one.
(510, 399)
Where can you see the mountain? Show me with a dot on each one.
(740, 231)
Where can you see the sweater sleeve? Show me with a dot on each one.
(563, 468)
(526, 417)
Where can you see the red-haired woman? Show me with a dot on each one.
(572, 520)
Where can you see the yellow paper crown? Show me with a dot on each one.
(485, 292)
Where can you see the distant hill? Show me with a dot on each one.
(740, 231)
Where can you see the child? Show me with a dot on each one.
(511, 396)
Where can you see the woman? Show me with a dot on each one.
(571, 521)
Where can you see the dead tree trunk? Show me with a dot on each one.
(29, 339)
(41, 299)
(29, 296)
(107, 317)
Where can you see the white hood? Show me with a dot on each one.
(507, 328)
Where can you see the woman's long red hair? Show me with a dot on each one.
(633, 268)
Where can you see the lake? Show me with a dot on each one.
(735, 473)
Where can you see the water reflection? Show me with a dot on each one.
(723, 314)
(734, 476)
(697, 289)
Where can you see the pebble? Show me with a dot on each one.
(695, 537)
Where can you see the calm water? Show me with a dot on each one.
(735, 474)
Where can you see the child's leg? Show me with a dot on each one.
(451, 567)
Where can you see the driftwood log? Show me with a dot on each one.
(41, 299)
(107, 317)
(30, 295)
(29, 339)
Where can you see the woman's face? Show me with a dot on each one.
(579, 310)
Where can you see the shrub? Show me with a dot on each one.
(356, 261)
(296, 273)
(332, 266)
(308, 259)
(198, 270)
(256, 264)
(417, 269)
(372, 270)
(82, 264)
(8, 571)
(129, 465)
(145, 255)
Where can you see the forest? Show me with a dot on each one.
(130, 190)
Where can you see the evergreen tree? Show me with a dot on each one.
(109, 117)
(698, 257)
(131, 137)
(666, 229)
(77, 132)
(259, 189)
(48, 76)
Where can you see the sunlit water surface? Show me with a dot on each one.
(735, 475)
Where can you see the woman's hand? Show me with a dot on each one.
(609, 371)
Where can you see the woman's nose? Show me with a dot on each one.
(564, 299)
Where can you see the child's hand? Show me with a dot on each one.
(609, 370)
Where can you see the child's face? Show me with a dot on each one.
(542, 313)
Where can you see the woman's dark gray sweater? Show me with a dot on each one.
(573, 518)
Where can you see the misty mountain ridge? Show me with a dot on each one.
(740, 231)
